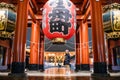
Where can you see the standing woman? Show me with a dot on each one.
(67, 61)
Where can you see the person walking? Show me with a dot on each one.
(67, 61)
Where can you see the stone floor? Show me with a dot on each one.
(58, 74)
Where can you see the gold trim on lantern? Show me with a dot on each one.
(113, 35)
(58, 41)
(9, 6)
(112, 6)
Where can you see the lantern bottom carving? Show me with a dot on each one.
(113, 35)
(58, 41)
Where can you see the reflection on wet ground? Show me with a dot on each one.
(57, 74)
(59, 78)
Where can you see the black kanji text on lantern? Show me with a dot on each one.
(60, 18)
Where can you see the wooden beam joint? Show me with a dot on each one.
(31, 13)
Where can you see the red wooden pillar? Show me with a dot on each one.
(7, 46)
(18, 64)
(81, 42)
(85, 47)
(34, 46)
(9, 58)
(109, 55)
(41, 54)
(100, 66)
(111, 45)
(77, 51)
(115, 50)
(6, 57)
(10, 55)
(118, 42)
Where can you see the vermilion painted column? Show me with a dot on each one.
(7, 46)
(100, 67)
(10, 54)
(114, 47)
(115, 52)
(81, 42)
(40, 63)
(9, 58)
(34, 46)
(41, 54)
(18, 64)
(77, 51)
(85, 47)
(5, 57)
(111, 45)
(118, 42)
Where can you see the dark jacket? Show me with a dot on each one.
(67, 59)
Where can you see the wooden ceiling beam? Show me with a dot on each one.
(87, 13)
(31, 13)
(84, 4)
(39, 17)
(34, 5)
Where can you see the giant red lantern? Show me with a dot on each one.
(59, 19)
